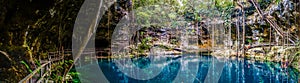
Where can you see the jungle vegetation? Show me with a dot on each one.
(30, 29)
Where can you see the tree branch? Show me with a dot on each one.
(6, 55)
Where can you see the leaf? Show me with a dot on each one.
(172, 16)
(38, 62)
(27, 66)
(277, 1)
(249, 40)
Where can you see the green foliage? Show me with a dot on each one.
(39, 26)
(260, 39)
(295, 60)
(223, 4)
(277, 1)
(27, 66)
(59, 69)
(159, 14)
(249, 40)
(144, 44)
(74, 75)
(37, 62)
(174, 41)
(165, 47)
(48, 25)
(225, 8)
(165, 13)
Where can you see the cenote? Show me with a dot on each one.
(196, 69)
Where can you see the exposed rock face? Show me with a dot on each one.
(277, 21)
(151, 39)
(289, 54)
(284, 15)
(30, 28)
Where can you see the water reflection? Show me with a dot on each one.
(234, 71)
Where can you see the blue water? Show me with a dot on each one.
(196, 69)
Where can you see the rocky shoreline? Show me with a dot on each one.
(166, 41)
(286, 55)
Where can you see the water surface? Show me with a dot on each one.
(196, 69)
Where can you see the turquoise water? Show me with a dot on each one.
(196, 69)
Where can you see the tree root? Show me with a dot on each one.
(272, 23)
(6, 55)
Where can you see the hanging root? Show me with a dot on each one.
(272, 23)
